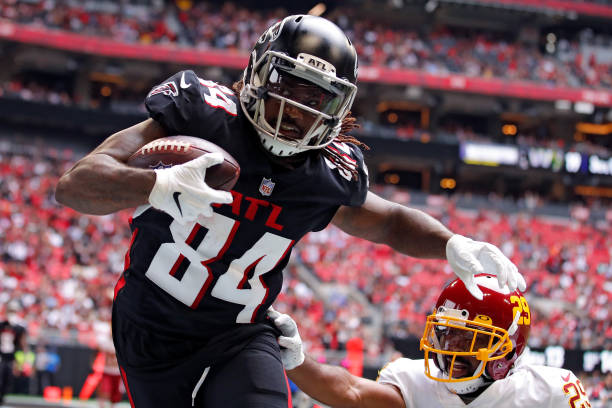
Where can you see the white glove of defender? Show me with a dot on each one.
(468, 258)
(181, 191)
(292, 354)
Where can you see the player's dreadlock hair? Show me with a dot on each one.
(332, 154)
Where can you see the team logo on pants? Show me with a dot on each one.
(266, 186)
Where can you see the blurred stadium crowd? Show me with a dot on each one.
(441, 50)
(575, 278)
(31, 89)
(58, 268)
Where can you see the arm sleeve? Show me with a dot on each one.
(388, 374)
(542, 386)
(570, 390)
(187, 105)
(401, 374)
(363, 184)
(353, 190)
(171, 102)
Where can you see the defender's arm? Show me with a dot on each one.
(332, 385)
(414, 233)
(337, 387)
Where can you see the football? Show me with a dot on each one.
(168, 151)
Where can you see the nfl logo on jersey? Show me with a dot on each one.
(160, 165)
(266, 186)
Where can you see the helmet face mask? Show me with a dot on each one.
(284, 77)
(304, 94)
(471, 341)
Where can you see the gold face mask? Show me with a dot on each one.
(462, 347)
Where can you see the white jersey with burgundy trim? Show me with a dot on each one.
(528, 386)
(227, 269)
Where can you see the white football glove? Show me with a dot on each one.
(181, 191)
(468, 258)
(291, 351)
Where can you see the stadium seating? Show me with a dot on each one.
(58, 267)
(231, 27)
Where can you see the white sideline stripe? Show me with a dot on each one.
(198, 385)
(30, 401)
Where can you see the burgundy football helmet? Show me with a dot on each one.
(493, 331)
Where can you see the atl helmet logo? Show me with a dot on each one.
(266, 186)
(317, 62)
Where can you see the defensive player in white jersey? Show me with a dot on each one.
(472, 358)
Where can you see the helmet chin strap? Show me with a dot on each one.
(466, 387)
(266, 131)
(274, 146)
(461, 387)
(518, 362)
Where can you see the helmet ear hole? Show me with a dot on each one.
(510, 355)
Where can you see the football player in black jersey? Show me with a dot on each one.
(189, 316)
(12, 340)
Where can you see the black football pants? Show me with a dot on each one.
(6, 377)
(252, 378)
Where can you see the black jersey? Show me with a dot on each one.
(11, 337)
(198, 279)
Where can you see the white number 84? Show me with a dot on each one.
(262, 257)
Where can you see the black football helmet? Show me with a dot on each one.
(300, 49)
